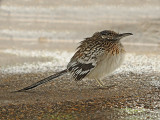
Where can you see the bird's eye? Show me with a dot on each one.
(107, 35)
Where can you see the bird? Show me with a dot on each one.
(95, 58)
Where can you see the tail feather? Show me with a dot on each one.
(43, 81)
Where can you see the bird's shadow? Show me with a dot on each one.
(23, 92)
(91, 88)
(105, 87)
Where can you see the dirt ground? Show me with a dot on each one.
(134, 93)
(66, 99)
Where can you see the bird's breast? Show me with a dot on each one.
(107, 65)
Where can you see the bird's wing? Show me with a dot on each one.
(84, 61)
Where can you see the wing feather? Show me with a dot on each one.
(86, 57)
(80, 70)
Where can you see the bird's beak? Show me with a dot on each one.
(124, 35)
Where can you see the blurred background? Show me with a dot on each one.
(49, 25)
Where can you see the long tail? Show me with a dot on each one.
(43, 81)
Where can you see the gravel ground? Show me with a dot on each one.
(135, 94)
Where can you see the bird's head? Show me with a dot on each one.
(113, 36)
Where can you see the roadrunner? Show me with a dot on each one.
(95, 58)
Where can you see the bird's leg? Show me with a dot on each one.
(101, 84)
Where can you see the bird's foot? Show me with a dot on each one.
(100, 83)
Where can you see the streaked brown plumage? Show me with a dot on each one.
(96, 57)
